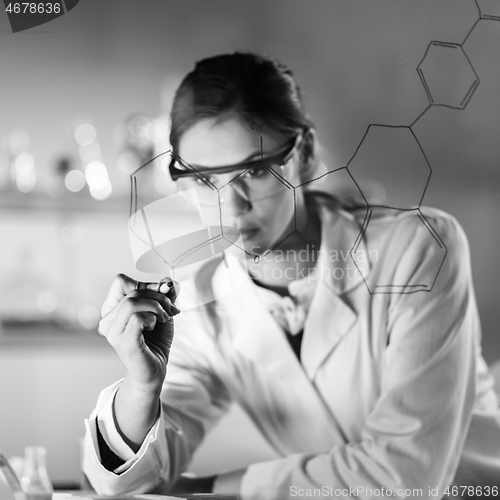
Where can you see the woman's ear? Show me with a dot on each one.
(309, 155)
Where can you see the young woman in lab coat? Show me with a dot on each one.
(361, 394)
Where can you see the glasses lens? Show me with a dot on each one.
(260, 181)
(168, 226)
(207, 192)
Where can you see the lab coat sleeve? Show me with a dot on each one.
(413, 437)
(192, 400)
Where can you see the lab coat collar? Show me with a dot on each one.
(343, 259)
(341, 267)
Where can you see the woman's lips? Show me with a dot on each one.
(248, 232)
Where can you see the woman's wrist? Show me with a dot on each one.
(134, 413)
(140, 390)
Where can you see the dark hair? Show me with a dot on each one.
(259, 89)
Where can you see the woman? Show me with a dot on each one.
(361, 394)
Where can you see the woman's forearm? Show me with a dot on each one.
(135, 411)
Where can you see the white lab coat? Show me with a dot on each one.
(391, 392)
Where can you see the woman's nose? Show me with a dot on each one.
(233, 200)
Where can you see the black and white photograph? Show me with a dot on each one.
(249, 249)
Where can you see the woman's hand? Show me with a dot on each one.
(137, 322)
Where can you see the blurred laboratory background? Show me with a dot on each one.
(85, 101)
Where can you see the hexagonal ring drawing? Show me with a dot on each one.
(286, 187)
(405, 284)
(158, 243)
(447, 75)
(391, 156)
(488, 9)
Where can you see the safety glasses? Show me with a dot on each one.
(179, 168)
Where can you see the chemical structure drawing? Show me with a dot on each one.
(447, 75)
(211, 235)
(488, 9)
(450, 80)
(391, 154)
(394, 153)
(162, 245)
(283, 189)
(173, 235)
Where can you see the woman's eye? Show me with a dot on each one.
(254, 173)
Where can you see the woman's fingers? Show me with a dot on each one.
(135, 302)
(174, 291)
(127, 297)
(133, 337)
(167, 286)
(170, 308)
(116, 321)
(137, 322)
(121, 286)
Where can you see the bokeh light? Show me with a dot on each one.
(74, 180)
(85, 134)
(102, 193)
(4, 170)
(96, 175)
(154, 131)
(24, 167)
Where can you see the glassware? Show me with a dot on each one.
(35, 480)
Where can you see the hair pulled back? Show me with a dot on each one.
(253, 87)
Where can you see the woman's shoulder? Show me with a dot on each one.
(373, 221)
(416, 245)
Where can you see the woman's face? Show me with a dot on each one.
(262, 220)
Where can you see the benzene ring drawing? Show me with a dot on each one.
(391, 155)
(488, 9)
(447, 75)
